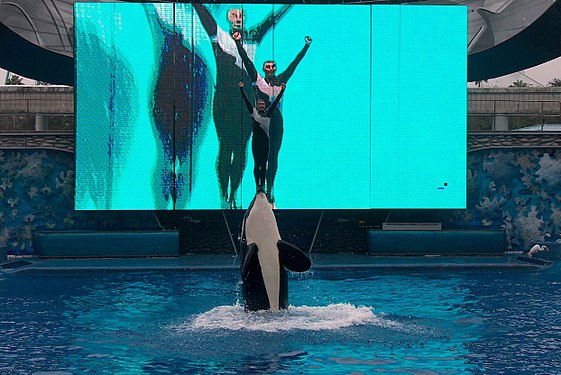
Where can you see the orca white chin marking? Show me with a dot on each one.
(261, 229)
(264, 258)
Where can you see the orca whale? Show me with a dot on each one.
(265, 259)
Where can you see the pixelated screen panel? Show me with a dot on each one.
(373, 116)
(419, 99)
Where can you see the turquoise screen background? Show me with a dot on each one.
(373, 116)
(419, 99)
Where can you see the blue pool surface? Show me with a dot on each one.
(427, 320)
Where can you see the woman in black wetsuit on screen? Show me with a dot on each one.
(232, 126)
(260, 141)
(268, 89)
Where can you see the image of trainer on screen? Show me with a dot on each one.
(232, 127)
(261, 128)
(268, 89)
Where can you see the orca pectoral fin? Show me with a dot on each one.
(293, 258)
(252, 249)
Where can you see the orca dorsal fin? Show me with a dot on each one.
(292, 258)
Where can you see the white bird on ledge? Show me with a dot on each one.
(537, 248)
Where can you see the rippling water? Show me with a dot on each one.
(339, 322)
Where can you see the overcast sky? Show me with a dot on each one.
(545, 72)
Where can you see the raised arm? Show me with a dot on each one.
(209, 23)
(245, 98)
(273, 105)
(249, 67)
(256, 34)
(285, 76)
(154, 23)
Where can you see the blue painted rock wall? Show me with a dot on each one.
(37, 193)
(516, 189)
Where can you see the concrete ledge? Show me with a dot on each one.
(445, 242)
(230, 262)
(411, 226)
(88, 244)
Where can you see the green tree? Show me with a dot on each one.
(14, 80)
(555, 82)
(519, 83)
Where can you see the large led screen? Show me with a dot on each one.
(373, 114)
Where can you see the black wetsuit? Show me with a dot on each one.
(260, 141)
(232, 126)
(267, 93)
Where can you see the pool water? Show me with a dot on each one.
(347, 321)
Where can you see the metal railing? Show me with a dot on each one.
(30, 123)
(36, 106)
(29, 115)
(17, 115)
(512, 114)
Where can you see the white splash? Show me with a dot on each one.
(310, 318)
